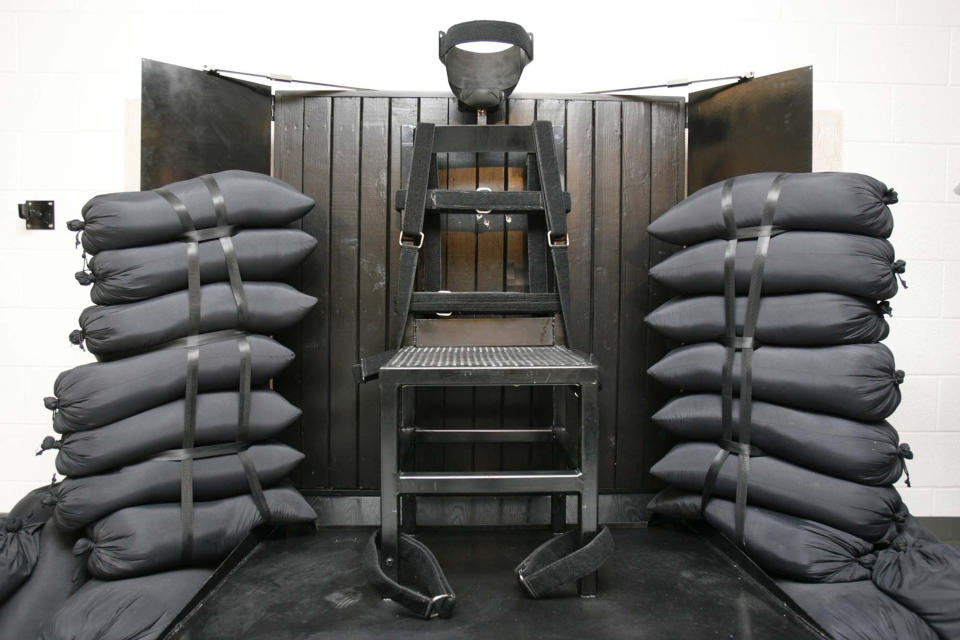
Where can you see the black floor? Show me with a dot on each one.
(661, 583)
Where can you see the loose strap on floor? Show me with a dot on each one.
(437, 602)
(562, 560)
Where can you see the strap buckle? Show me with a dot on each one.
(558, 240)
(416, 245)
(433, 611)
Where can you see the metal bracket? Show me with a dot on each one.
(37, 213)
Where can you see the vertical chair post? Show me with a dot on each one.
(589, 464)
(389, 470)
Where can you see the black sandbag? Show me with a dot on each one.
(138, 218)
(19, 550)
(857, 611)
(83, 453)
(828, 201)
(36, 507)
(146, 539)
(81, 501)
(798, 320)
(133, 609)
(20, 537)
(782, 544)
(858, 381)
(129, 275)
(866, 512)
(925, 578)
(99, 393)
(864, 452)
(910, 531)
(798, 261)
(111, 330)
(57, 575)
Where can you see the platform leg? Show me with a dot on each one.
(589, 454)
(389, 469)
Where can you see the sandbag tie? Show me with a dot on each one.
(899, 375)
(884, 308)
(890, 196)
(51, 403)
(905, 453)
(12, 524)
(76, 225)
(85, 278)
(77, 337)
(562, 559)
(439, 599)
(899, 267)
(49, 442)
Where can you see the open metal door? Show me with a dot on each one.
(758, 124)
(193, 122)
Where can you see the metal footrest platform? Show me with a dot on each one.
(488, 365)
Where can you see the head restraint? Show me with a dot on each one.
(484, 80)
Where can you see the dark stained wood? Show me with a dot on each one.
(314, 355)
(430, 400)
(606, 276)
(622, 161)
(372, 310)
(633, 417)
(344, 255)
(288, 163)
(666, 188)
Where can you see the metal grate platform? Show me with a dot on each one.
(486, 357)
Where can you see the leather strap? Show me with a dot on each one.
(439, 599)
(562, 560)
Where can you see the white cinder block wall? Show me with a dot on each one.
(886, 71)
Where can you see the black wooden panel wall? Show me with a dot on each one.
(623, 164)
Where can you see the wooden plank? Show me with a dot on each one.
(633, 415)
(491, 252)
(429, 400)
(343, 292)
(666, 188)
(372, 308)
(460, 274)
(314, 355)
(580, 220)
(606, 276)
(288, 166)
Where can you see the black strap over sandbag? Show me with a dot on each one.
(439, 599)
(141, 218)
(822, 201)
(864, 452)
(129, 275)
(483, 80)
(841, 263)
(744, 344)
(814, 319)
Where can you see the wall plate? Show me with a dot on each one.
(37, 213)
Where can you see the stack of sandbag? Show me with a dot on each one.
(167, 441)
(785, 390)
